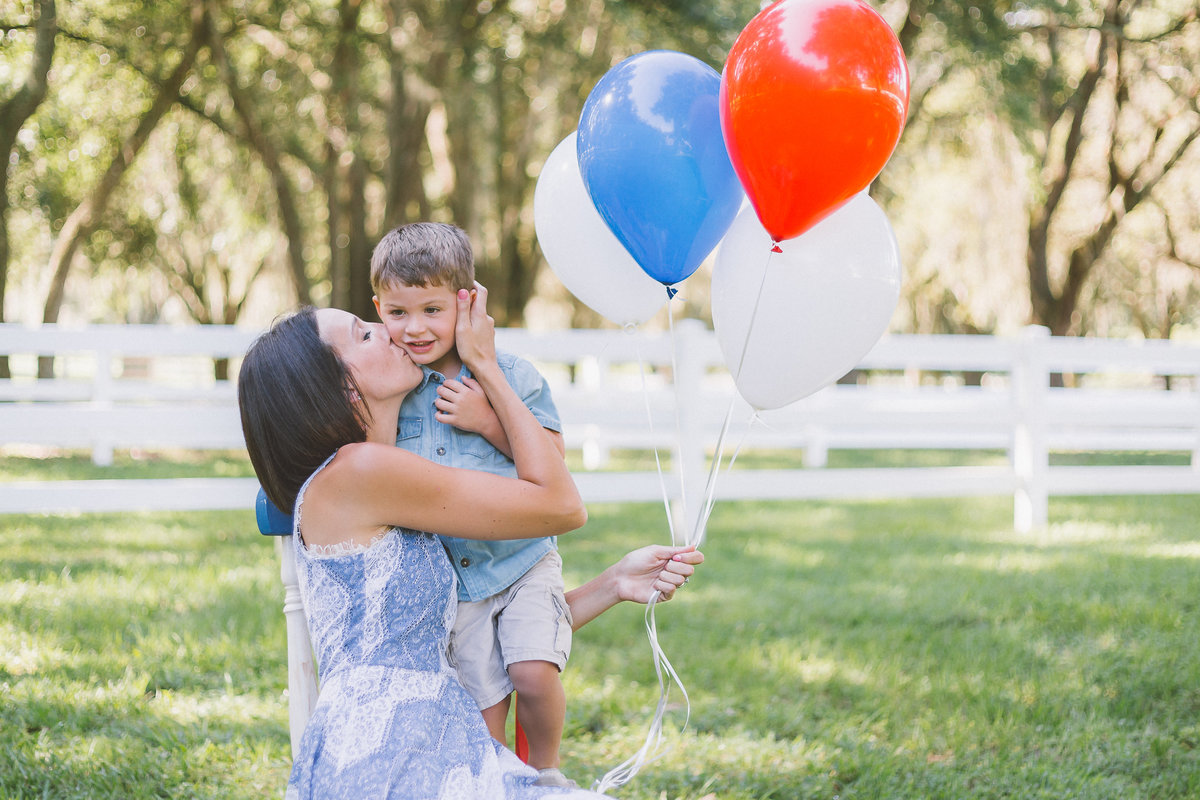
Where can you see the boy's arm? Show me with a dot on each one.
(464, 405)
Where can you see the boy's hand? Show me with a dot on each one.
(464, 405)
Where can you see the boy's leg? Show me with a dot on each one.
(541, 707)
(496, 718)
(475, 655)
(535, 637)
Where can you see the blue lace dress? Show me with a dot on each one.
(392, 720)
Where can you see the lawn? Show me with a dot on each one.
(891, 649)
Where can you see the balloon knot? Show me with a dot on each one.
(775, 248)
(671, 292)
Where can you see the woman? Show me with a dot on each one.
(320, 394)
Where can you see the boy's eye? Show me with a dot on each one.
(432, 310)
(395, 312)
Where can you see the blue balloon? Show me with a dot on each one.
(653, 159)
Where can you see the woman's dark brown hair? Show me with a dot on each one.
(293, 393)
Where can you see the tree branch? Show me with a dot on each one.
(289, 215)
(83, 220)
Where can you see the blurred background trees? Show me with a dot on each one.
(224, 160)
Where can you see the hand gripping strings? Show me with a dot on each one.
(651, 745)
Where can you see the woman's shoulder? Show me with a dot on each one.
(360, 455)
(339, 497)
(369, 457)
(358, 468)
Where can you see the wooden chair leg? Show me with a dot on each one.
(302, 670)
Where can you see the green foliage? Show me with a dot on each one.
(359, 116)
(913, 649)
(142, 656)
(898, 649)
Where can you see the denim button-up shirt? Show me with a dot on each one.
(483, 568)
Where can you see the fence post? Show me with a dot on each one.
(690, 448)
(102, 393)
(1030, 455)
(589, 373)
(815, 452)
(1196, 418)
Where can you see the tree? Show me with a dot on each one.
(83, 221)
(253, 133)
(211, 239)
(1101, 99)
(14, 111)
(1134, 99)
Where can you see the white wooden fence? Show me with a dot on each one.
(149, 387)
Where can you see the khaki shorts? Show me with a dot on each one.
(528, 621)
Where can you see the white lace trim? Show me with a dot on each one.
(338, 549)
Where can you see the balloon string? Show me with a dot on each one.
(683, 493)
(754, 313)
(650, 750)
(710, 486)
(662, 483)
(697, 535)
(710, 495)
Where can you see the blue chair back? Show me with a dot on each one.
(271, 521)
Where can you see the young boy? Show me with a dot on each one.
(513, 630)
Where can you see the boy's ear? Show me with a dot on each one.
(375, 300)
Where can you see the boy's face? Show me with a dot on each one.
(421, 319)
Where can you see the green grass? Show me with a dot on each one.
(77, 465)
(892, 649)
(861, 459)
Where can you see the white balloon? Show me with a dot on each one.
(581, 250)
(791, 322)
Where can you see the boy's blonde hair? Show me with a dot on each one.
(423, 254)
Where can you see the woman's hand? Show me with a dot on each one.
(474, 330)
(655, 568)
(636, 577)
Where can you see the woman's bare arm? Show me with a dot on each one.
(369, 487)
(636, 577)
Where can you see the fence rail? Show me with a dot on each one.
(148, 387)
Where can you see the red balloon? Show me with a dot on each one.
(814, 96)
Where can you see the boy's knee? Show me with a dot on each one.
(532, 677)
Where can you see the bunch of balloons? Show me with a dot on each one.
(807, 111)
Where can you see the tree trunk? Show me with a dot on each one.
(513, 189)
(289, 215)
(345, 173)
(13, 113)
(407, 116)
(358, 251)
(1047, 306)
(1127, 187)
(84, 219)
(339, 289)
